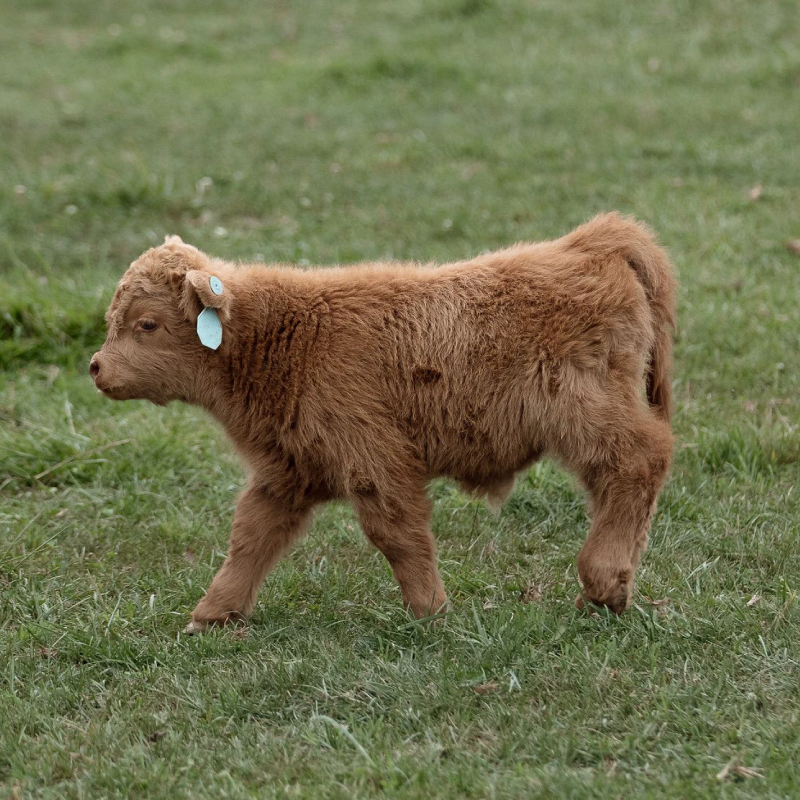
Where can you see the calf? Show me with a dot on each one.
(365, 382)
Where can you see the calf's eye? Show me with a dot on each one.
(148, 324)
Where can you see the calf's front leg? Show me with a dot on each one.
(263, 530)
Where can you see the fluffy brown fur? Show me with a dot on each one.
(365, 382)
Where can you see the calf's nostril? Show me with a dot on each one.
(94, 367)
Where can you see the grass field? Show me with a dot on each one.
(319, 132)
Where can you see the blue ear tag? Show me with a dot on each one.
(209, 328)
(216, 285)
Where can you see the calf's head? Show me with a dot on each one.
(153, 350)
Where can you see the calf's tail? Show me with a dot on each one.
(614, 234)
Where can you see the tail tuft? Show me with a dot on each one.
(613, 233)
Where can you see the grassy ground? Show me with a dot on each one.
(320, 132)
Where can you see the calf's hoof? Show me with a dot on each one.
(432, 607)
(193, 628)
(199, 625)
(617, 608)
(606, 585)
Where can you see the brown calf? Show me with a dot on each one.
(365, 382)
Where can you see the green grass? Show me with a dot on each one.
(321, 132)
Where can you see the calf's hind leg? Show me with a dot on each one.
(624, 484)
(398, 527)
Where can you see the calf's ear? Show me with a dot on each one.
(199, 289)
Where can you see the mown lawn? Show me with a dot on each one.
(318, 132)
